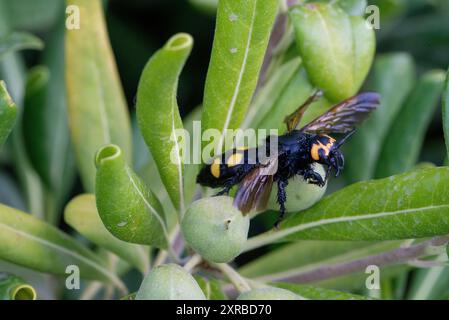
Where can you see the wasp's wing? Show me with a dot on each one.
(343, 117)
(294, 119)
(255, 188)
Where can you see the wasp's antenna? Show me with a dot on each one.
(346, 137)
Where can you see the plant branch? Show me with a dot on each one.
(396, 256)
(193, 262)
(236, 279)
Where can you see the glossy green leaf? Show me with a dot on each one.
(8, 113)
(97, 109)
(406, 206)
(262, 107)
(15, 288)
(82, 215)
(32, 243)
(445, 100)
(128, 209)
(337, 49)
(315, 293)
(241, 37)
(158, 115)
(393, 78)
(19, 41)
(405, 139)
(46, 130)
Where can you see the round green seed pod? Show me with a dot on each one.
(215, 229)
(300, 194)
(169, 282)
(269, 293)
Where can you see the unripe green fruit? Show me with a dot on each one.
(269, 293)
(215, 229)
(169, 282)
(300, 194)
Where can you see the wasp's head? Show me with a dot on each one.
(326, 150)
(335, 160)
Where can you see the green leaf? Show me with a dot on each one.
(211, 288)
(97, 109)
(16, 41)
(8, 113)
(405, 139)
(241, 37)
(294, 94)
(337, 49)
(32, 243)
(15, 288)
(128, 209)
(302, 256)
(353, 7)
(406, 206)
(46, 130)
(263, 105)
(158, 115)
(445, 100)
(314, 293)
(82, 215)
(393, 78)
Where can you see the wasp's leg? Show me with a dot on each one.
(282, 198)
(232, 182)
(313, 177)
(227, 187)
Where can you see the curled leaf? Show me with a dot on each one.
(158, 115)
(16, 41)
(97, 109)
(15, 288)
(128, 209)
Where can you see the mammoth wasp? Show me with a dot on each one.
(297, 151)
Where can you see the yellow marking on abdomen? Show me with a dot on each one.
(234, 159)
(215, 168)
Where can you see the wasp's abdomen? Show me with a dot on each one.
(226, 166)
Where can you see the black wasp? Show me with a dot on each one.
(297, 151)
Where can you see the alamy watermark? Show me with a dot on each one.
(200, 146)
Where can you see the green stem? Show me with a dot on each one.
(193, 262)
(236, 279)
